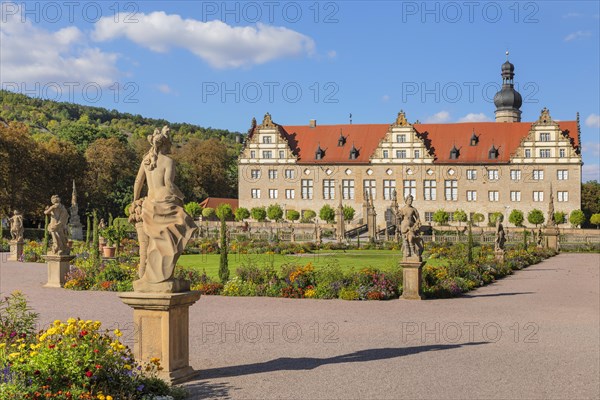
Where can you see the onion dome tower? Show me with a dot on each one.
(508, 101)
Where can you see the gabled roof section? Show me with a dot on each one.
(303, 140)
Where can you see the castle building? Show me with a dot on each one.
(477, 167)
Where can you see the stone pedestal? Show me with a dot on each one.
(76, 230)
(16, 250)
(58, 267)
(551, 235)
(499, 255)
(412, 268)
(162, 326)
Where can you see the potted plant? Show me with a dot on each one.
(111, 235)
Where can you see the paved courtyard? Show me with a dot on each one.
(534, 335)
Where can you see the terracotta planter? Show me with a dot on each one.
(109, 251)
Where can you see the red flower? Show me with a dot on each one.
(51, 346)
(98, 366)
(96, 351)
(89, 374)
(74, 345)
(83, 333)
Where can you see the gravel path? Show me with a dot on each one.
(533, 335)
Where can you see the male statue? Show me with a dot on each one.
(16, 226)
(500, 238)
(58, 227)
(166, 225)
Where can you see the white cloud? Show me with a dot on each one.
(591, 148)
(385, 98)
(164, 88)
(33, 55)
(219, 44)
(438, 118)
(577, 35)
(332, 54)
(590, 172)
(472, 117)
(593, 121)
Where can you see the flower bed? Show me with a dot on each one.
(70, 360)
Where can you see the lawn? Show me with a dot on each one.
(357, 259)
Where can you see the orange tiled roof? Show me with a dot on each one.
(213, 202)
(505, 136)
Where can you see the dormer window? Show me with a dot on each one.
(319, 153)
(493, 153)
(474, 139)
(353, 153)
(454, 153)
(341, 140)
(401, 139)
(266, 139)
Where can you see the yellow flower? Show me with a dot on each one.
(101, 397)
(127, 366)
(109, 397)
(118, 333)
(33, 354)
(2, 345)
(57, 322)
(155, 360)
(14, 355)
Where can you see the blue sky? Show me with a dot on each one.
(221, 63)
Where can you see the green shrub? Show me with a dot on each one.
(348, 294)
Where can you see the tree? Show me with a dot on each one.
(441, 217)
(577, 218)
(224, 212)
(46, 236)
(193, 209)
(241, 214)
(208, 212)
(95, 251)
(470, 243)
(590, 198)
(348, 213)
(477, 218)
(292, 215)
(595, 220)
(258, 213)
(308, 215)
(494, 217)
(327, 213)
(460, 216)
(535, 217)
(275, 212)
(560, 217)
(516, 217)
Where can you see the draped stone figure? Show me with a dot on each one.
(412, 244)
(500, 238)
(165, 224)
(16, 226)
(58, 226)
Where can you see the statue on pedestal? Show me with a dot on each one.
(412, 244)
(165, 223)
(16, 226)
(58, 227)
(500, 238)
(74, 223)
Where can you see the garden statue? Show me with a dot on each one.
(551, 221)
(102, 224)
(412, 244)
(500, 238)
(539, 237)
(16, 226)
(58, 227)
(166, 225)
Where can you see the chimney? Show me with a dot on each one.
(312, 123)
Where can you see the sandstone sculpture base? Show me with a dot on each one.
(551, 238)
(412, 268)
(58, 267)
(16, 250)
(499, 255)
(174, 285)
(76, 231)
(162, 326)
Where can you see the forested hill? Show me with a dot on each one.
(45, 145)
(57, 117)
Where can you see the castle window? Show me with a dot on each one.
(562, 153)
(471, 195)
(401, 138)
(544, 153)
(515, 195)
(527, 153)
(255, 173)
(267, 154)
(454, 153)
(417, 153)
(290, 174)
(562, 174)
(400, 153)
(290, 193)
(474, 139)
(544, 137)
(428, 216)
(493, 174)
(272, 174)
(273, 193)
(328, 189)
(281, 154)
(493, 195)
(252, 154)
(538, 174)
(515, 174)
(386, 154)
(451, 190)
(563, 196)
(369, 186)
(266, 139)
(307, 189)
(493, 153)
(348, 189)
(389, 187)
(353, 153)
(255, 193)
(410, 187)
(429, 189)
(538, 196)
(471, 174)
(319, 153)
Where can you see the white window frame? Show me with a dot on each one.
(544, 136)
(538, 196)
(472, 174)
(515, 195)
(401, 138)
(537, 175)
(409, 186)
(563, 196)
(545, 153)
(515, 174)
(267, 154)
(307, 187)
(562, 174)
(492, 174)
(290, 194)
(389, 185)
(329, 189)
(417, 153)
(451, 190)
(273, 193)
(471, 195)
(272, 174)
(255, 193)
(348, 189)
(290, 174)
(429, 189)
(527, 153)
(370, 185)
(255, 173)
(493, 195)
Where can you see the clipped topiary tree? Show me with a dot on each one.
(327, 213)
(595, 220)
(477, 218)
(275, 212)
(258, 213)
(193, 209)
(577, 218)
(494, 217)
(560, 217)
(208, 213)
(348, 213)
(460, 216)
(441, 217)
(308, 215)
(95, 237)
(241, 214)
(292, 215)
(46, 236)
(224, 212)
(88, 231)
(516, 217)
(535, 217)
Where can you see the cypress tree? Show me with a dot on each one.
(46, 238)
(470, 244)
(223, 264)
(87, 231)
(95, 241)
